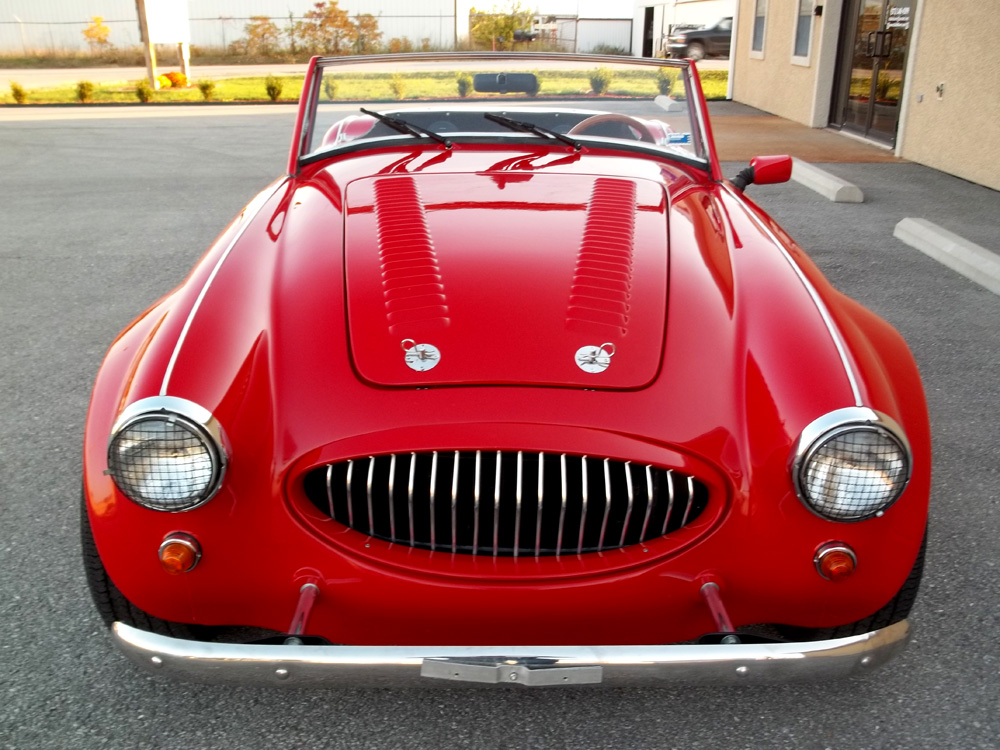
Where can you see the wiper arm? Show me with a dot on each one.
(402, 126)
(530, 127)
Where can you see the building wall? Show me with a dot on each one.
(958, 132)
(770, 80)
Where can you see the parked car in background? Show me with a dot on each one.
(697, 44)
(515, 388)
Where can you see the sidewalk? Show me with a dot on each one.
(742, 132)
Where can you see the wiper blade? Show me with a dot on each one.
(402, 126)
(530, 127)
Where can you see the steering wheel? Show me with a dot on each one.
(634, 125)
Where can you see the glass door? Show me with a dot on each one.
(874, 39)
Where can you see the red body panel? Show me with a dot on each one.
(302, 368)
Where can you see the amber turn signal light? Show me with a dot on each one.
(835, 561)
(179, 553)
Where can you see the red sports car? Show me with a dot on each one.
(504, 382)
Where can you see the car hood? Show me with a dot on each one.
(489, 278)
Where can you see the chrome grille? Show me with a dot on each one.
(506, 504)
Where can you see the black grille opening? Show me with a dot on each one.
(506, 503)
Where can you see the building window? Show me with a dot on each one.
(758, 26)
(803, 29)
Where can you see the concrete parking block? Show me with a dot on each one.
(969, 259)
(828, 185)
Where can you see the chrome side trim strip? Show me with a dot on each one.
(838, 340)
(247, 220)
(417, 666)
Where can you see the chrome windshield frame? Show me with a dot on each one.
(309, 103)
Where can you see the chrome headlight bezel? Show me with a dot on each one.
(195, 419)
(835, 424)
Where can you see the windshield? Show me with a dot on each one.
(568, 101)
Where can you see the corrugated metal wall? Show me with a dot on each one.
(57, 25)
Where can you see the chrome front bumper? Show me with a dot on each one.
(456, 666)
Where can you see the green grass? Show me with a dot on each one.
(372, 86)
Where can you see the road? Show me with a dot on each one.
(98, 218)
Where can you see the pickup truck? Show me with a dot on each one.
(703, 42)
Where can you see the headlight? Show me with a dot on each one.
(851, 464)
(166, 453)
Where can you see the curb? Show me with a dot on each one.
(967, 258)
(828, 185)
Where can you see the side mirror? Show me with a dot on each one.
(765, 170)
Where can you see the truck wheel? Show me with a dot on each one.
(110, 602)
(696, 51)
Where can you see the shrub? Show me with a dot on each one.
(398, 86)
(600, 80)
(273, 85)
(143, 91)
(163, 81)
(84, 91)
(330, 86)
(400, 45)
(207, 89)
(177, 80)
(97, 34)
(18, 92)
(464, 84)
(608, 49)
(665, 78)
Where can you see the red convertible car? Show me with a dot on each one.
(504, 382)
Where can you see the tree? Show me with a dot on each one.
(367, 35)
(97, 35)
(262, 36)
(497, 27)
(326, 29)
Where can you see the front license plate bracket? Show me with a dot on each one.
(493, 671)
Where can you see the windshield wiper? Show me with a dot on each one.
(530, 127)
(402, 126)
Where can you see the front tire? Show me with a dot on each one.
(896, 610)
(111, 603)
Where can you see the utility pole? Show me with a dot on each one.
(148, 51)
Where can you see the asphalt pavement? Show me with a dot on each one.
(98, 218)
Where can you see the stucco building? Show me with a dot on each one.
(921, 77)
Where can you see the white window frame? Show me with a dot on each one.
(806, 59)
(758, 54)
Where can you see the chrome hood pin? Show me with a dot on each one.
(420, 357)
(595, 359)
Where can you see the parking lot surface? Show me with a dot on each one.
(98, 218)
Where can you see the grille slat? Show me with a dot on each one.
(594, 504)
(475, 517)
